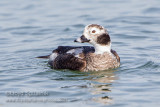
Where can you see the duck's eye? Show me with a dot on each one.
(93, 31)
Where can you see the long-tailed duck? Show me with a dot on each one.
(86, 58)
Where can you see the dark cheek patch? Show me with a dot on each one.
(103, 39)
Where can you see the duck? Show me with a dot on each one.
(98, 57)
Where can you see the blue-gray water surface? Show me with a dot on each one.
(30, 28)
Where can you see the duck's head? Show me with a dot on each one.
(98, 36)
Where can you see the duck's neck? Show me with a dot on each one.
(100, 49)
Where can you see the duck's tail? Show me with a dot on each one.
(44, 57)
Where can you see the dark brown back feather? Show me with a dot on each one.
(68, 61)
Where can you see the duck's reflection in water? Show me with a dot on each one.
(99, 85)
(102, 85)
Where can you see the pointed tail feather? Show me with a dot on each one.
(44, 57)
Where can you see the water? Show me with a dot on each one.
(30, 28)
